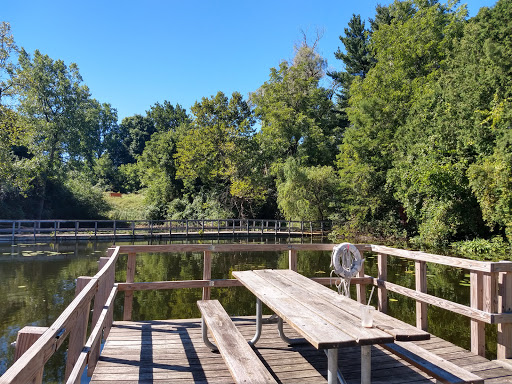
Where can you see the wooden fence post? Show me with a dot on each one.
(78, 334)
(207, 273)
(128, 295)
(382, 293)
(476, 301)
(24, 340)
(100, 299)
(421, 286)
(361, 288)
(505, 305)
(292, 259)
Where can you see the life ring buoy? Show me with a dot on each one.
(346, 260)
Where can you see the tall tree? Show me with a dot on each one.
(357, 61)
(217, 151)
(411, 54)
(53, 100)
(296, 113)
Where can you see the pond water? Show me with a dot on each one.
(37, 281)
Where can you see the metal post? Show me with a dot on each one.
(186, 226)
(332, 366)
(76, 230)
(259, 312)
(366, 364)
(114, 230)
(95, 230)
(13, 229)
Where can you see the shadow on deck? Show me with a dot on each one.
(173, 351)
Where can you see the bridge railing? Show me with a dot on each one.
(94, 229)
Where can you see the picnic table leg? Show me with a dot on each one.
(366, 364)
(332, 366)
(259, 314)
(204, 330)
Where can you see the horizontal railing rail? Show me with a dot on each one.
(491, 299)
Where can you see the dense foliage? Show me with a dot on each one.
(411, 138)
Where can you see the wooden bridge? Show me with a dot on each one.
(173, 351)
(112, 230)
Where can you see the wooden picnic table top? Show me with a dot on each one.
(322, 316)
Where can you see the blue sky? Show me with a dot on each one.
(132, 54)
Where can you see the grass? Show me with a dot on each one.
(128, 207)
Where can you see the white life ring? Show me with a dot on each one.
(346, 260)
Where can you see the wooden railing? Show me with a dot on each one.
(491, 301)
(94, 229)
(35, 346)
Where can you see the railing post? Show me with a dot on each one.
(114, 230)
(78, 334)
(361, 288)
(505, 305)
(128, 295)
(421, 286)
(100, 299)
(186, 227)
(207, 273)
(151, 228)
(26, 337)
(382, 293)
(292, 259)
(13, 230)
(55, 230)
(248, 222)
(477, 302)
(275, 227)
(95, 230)
(76, 230)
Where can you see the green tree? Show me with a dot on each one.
(410, 56)
(307, 193)
(53, 100)
(218, 152)
(297, 114)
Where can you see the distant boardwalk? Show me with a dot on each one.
(62, 230)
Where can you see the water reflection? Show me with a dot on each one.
(38, 282)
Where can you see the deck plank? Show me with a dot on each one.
(173, 351)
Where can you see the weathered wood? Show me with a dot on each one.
(382, 293)
(420, 269)
(100, 300)
(94, 342)
(398, 329)
(292, 259)
(207, 273)
(304, 320)
(505, 305)
(130, 277)
(322, 306)
(484, 266)
(242, 362)
(441, 369)
(221, 283)
(25, 338)
(360, 286)
(489, 318)
(476, 299)
(79, 333)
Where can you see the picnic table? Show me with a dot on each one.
(324, 318)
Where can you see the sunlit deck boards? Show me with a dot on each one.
(173, 351)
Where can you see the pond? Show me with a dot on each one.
(38, 282)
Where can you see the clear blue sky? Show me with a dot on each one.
(132, 54)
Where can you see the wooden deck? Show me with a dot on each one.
(173, 351)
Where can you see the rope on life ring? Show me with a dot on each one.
(346, 262)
